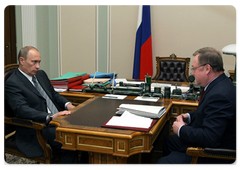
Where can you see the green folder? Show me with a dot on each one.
(69, 75)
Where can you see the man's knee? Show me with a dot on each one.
(175, 158)
(163, 160)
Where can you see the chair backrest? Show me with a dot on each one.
(6, 110)
(172, 68)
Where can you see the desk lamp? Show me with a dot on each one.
(231, 50)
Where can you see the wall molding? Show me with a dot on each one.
(29, 36)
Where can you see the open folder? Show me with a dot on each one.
(142, 110)
(131, 122)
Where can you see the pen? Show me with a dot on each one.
(93, 78)
(113, 80)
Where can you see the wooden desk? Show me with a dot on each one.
(106, 145)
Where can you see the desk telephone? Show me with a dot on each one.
(194, 90)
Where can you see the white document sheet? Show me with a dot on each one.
(60, 90)
(150, 99)
(130, 120)
(113, 96)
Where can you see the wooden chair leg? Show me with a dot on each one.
(194, 159)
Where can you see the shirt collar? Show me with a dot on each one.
(209, 83)
(26, 75)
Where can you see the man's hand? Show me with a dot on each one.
(183, 117)
(62, 113)
(181, 120)
(70, 106)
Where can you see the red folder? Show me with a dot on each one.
(78, 88)
(67, 86)
(69, 83)
(66, 81)
(131, 128)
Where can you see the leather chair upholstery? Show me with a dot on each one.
(10, 123)
(172, 68)
(218, 153)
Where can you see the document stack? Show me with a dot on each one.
(142, 110)
(69, 80)
(98, 81)
(111, 76)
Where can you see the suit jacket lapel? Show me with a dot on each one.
(26, 83)
(212, 84)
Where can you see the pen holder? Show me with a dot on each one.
(120, 83)
(148, 79)
(167, 92)
(177, 92)
(157, 89)
(147, 87)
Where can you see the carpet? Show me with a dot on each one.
(12, 159)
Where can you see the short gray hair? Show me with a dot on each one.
(209, 55)
(24, 51)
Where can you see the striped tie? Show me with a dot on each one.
(50, 104)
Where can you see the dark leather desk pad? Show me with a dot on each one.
(100, 110)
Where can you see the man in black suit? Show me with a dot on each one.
(27, 102)
(213, 124)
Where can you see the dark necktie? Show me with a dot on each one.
(50, 104)
(201, 95)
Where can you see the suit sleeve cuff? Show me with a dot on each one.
(66, 105)
(179, 130)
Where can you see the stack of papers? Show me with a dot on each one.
(130, 120)
(96, 81)
(142, 110)
(68, 80)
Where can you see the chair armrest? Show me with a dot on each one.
(24, 123)
(219, 153)
(38, 127)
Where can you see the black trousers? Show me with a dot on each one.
(67, 157)
(175, 153)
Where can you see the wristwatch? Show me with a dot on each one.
(49, 118)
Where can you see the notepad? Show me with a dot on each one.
(142, 110)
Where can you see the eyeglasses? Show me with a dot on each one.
(194, 68)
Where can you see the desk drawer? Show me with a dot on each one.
(178, 109)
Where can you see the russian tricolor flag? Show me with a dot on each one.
(143, 45)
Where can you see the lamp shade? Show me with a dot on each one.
(229, 49)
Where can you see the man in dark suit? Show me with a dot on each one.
(213, 124)
(27, 102)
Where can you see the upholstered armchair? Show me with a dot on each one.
(10, 123)
(172, 68)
